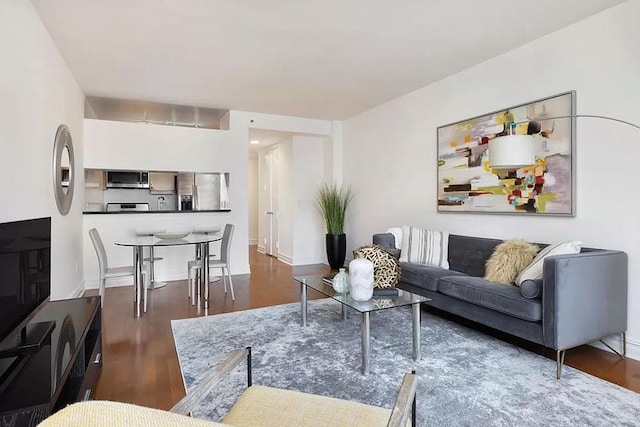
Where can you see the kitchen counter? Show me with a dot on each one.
(151, 212)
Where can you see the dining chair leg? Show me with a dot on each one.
(196, 287)
(146, 288)
(233, 297)
(102, 290)
(224, 279)
(189, 282)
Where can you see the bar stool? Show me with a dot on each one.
(151, 258)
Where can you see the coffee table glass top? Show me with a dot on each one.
(374, 304)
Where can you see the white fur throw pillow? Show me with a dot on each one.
(508, 260)
(535, 270)
(425, 247)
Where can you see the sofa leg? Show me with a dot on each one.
(559, 362)
(623, 344)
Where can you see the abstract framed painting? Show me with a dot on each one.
(466, 183)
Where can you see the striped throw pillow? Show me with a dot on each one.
(425, 247)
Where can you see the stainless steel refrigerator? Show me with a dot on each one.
(205, 191)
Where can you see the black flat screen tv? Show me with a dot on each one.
(25, 270)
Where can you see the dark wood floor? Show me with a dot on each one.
(141, 365)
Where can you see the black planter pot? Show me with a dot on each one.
(336, 249)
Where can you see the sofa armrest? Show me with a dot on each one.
(387, 242)
(584, 298)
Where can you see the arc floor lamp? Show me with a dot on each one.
(517, 151)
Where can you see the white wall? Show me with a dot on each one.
(38, 93)
(120, 145)
(390, 151)
(301, 170)
(253, 201)
(309, 173)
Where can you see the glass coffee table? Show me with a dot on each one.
(376, 303)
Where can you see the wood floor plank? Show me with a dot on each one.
(141, 365)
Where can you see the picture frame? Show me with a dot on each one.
(467, 184)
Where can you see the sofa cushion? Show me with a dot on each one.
(531, 288)
(508, 260)
(97, 413)
(468, 254)
(274, 407)
(424, 276)
(535, 269)
(424, 246)
(505, 299)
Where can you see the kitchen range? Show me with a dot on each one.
(127, 191)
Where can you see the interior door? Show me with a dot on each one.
(271, 220)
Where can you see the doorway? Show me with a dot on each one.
(270, 189)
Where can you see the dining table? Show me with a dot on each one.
(200, 240)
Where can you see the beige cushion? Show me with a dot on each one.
(508, 260)
(273, 407)
(535, 270)
(115, 414)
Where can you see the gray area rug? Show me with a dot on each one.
(466, 378)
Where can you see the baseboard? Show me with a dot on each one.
(111, 283)
(633, 347)
(286, 259)
(78, 291)
(309, 261)
(261, 249)
(253, 242)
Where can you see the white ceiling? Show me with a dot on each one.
(326, 59)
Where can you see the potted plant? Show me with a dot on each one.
(332, 202)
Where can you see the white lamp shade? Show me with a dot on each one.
(512, 152)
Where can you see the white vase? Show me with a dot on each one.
(361, 279)
(341, 282)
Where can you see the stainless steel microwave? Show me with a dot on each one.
(127, 179)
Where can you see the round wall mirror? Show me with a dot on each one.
(63, 169)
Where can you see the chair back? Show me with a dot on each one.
(100, 252)
(225, 246)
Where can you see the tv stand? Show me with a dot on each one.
(54, 361)
(29, 339)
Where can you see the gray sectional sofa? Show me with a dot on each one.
(582, 297)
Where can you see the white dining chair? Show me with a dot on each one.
(150, 258)
(223, 263)
(194, 266)
(107, 272)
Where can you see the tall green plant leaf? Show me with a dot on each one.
(332, 202)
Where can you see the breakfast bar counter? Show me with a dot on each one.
(153, 212)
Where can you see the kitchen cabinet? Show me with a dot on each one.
(95, 178)
(162, 183)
